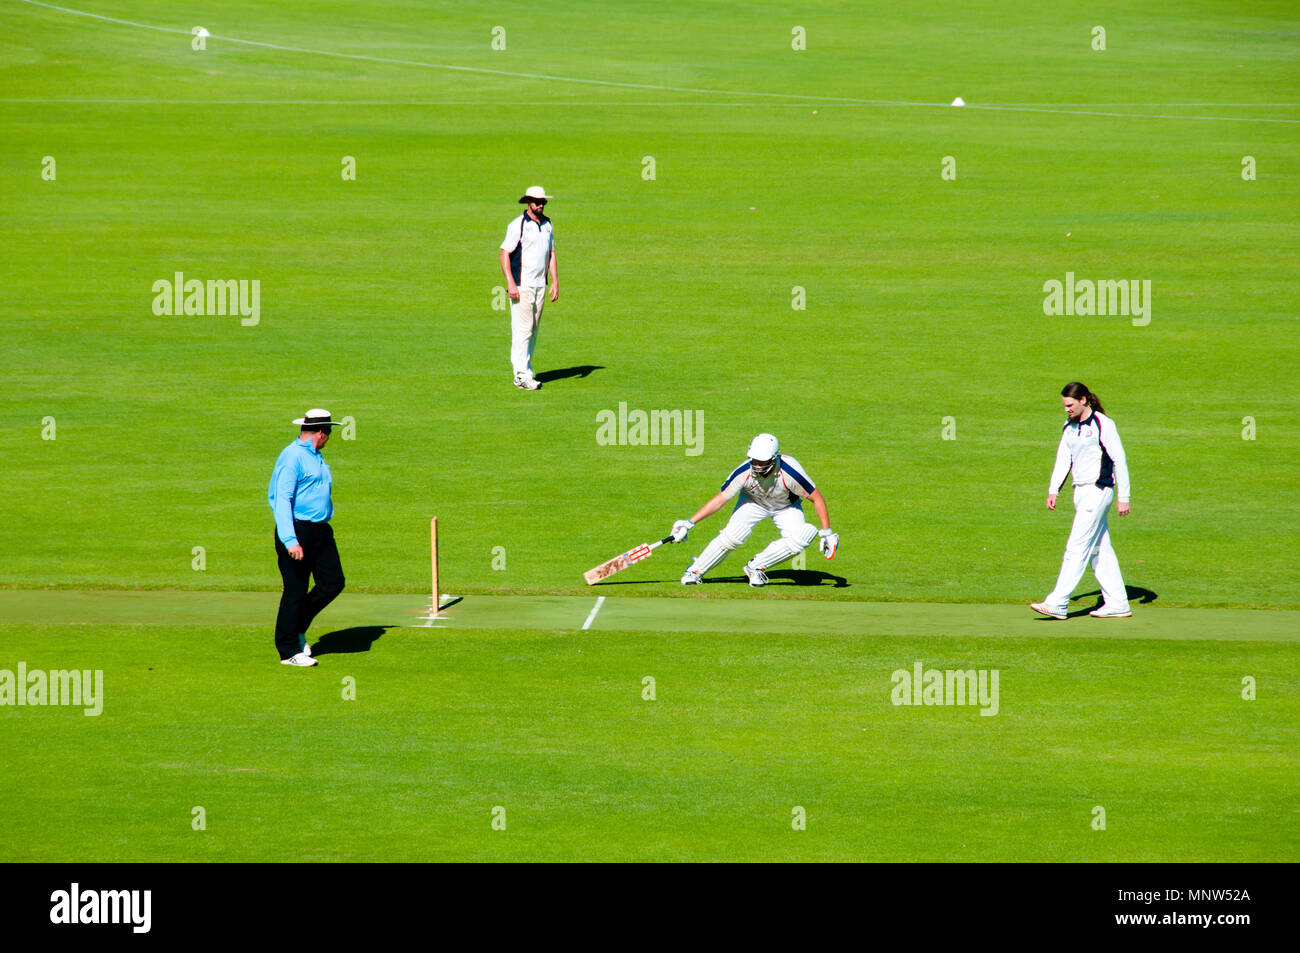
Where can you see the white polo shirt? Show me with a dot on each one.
(530, 247)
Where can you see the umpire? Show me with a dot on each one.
(304, 541)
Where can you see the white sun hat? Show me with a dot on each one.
(534, 192)
(317, 418)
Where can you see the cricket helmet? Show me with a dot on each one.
(764, 455)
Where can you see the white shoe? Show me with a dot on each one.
(303, 647)
(1104, 613)
(756, 576)
(302, 660)
(1041, 609)
(527, 382)
(690, 578)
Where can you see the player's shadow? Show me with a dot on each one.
(1135, 594)
(582, 370)
(359, 638)
(789, 577)
(793, 577)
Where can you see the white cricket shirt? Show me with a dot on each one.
(786, 487)
(1091, 448)
(530, 247)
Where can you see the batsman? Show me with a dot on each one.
(768, 485)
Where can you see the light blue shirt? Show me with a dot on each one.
(300, 489)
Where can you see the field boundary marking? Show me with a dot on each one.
(808, 98)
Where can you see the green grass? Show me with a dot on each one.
(744, 727)
(924, 302)
(923, 299)
(767, 612)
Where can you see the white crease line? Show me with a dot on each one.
(432, 621)
(600, 600)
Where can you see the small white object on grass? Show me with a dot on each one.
(959, 101)
(202, 31)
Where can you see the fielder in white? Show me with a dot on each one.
(1090, 446)
(527, 255)
(768, 485)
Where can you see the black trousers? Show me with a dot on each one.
(298, 606)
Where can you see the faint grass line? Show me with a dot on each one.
(881, 104)
(464, 69)
(1081, 112)
(626, 85)
(377, 102)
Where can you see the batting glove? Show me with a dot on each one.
(828, 542)
(680, 529)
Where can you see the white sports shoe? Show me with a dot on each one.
(302, 660)
(1041, 609)
(690, 578)
(756, 576)
(303, 647)
(527, 382)
(1104, 613)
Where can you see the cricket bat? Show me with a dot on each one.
(619, 563)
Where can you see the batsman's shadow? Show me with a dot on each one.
(794, 577)
(582, 370)
(358, 638)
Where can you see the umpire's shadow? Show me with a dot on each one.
(582, 370)
(359, 638)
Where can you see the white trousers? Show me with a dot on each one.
(796, 534)
(525, 316)
(1089, 543)
(749, 514)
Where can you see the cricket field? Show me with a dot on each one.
(766, 219)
